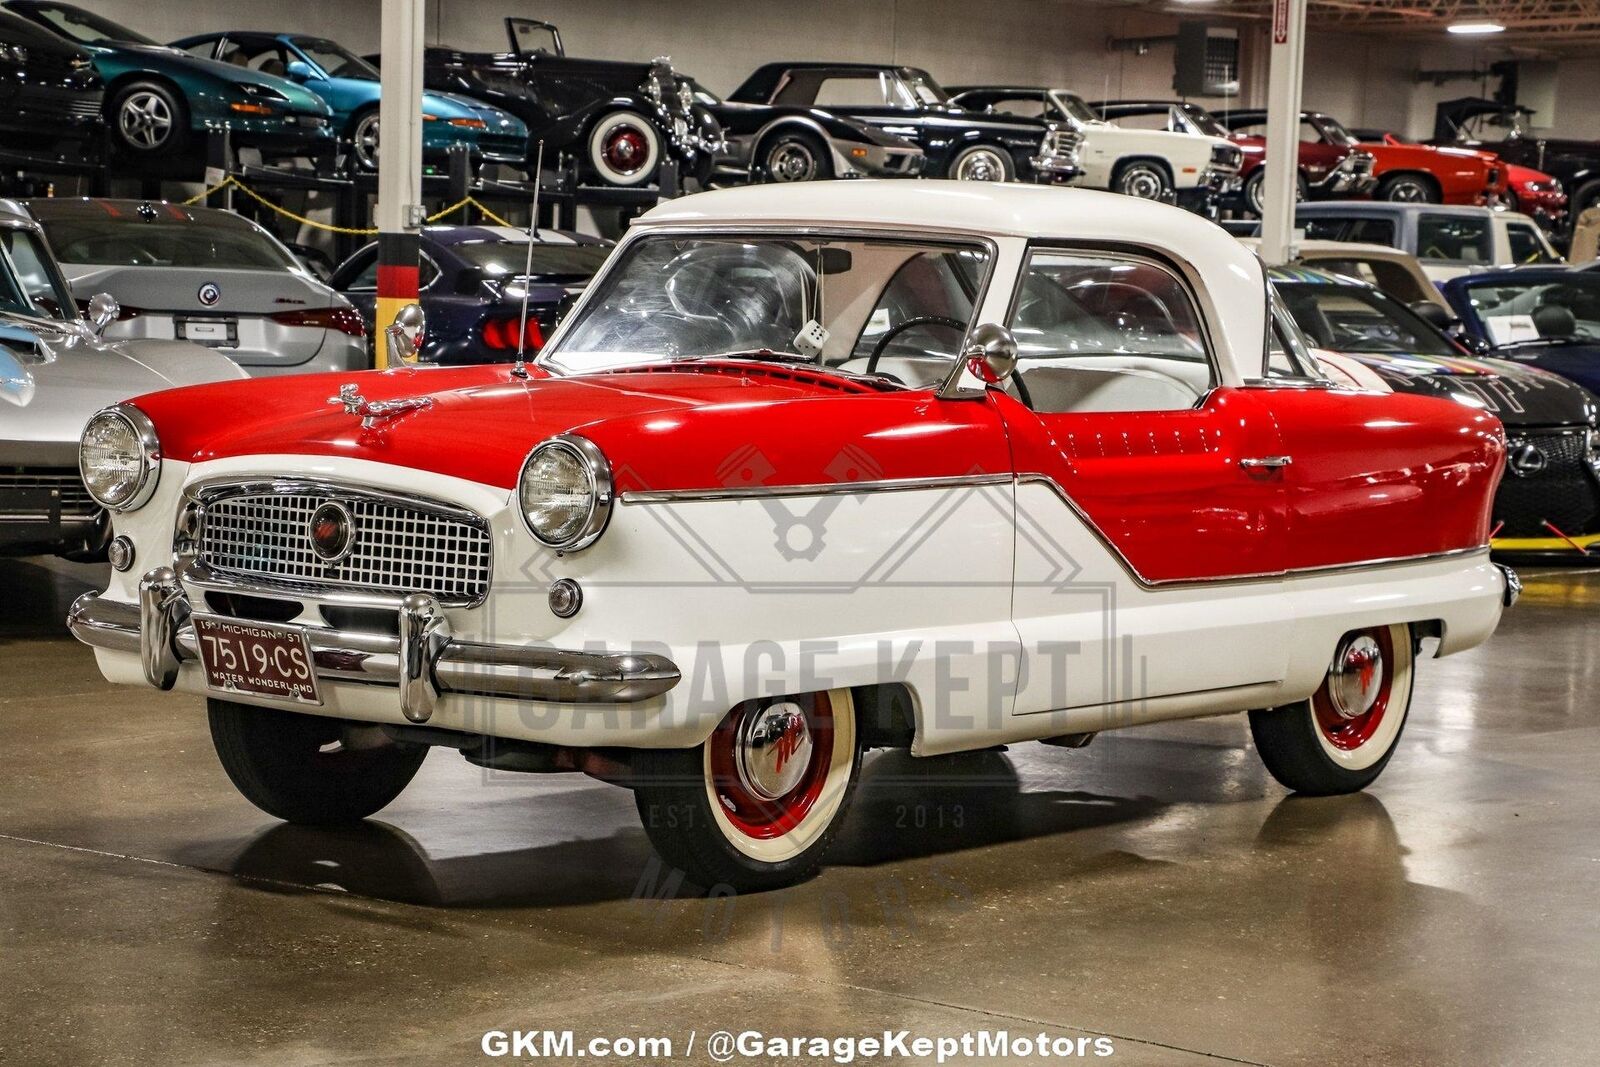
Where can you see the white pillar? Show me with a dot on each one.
(1287, 52)
(399, 162)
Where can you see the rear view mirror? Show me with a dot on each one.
(103, 311)
(991, 353)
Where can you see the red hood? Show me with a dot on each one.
(482, 422)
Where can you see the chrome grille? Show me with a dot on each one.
(399, 546)
(1062, 144)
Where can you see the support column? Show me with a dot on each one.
(400, 210)
(1288, 50)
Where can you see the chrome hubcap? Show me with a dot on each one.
(773, 750)
(982, 166)
(1407, 192)
(1142, 182)
(626, 149)
(145, 120)
(366, 141)
(1357, 677)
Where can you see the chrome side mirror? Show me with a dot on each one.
(103, 311)
(405, 334)
(991, 354)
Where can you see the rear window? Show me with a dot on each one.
(510, 258)
(164, 243)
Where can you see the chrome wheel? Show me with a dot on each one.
(364, 141)
(1408, 190)
(145, 119)
(792, 160)
(981, 164)
(1144, 180)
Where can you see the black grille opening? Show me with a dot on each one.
(255, 608)
(363, 620)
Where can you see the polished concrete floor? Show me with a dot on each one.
(1155, 887)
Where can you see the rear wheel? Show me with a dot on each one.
(297, 768)
(148, 117)
(624, 149)
(795, 156)
(1340, 740)
(1409, 189)
(755, 806)
(982, 163)
(364, 139)
(1255, 196)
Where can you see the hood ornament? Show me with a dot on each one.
(373, 412)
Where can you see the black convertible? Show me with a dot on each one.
(907, 102)
(620, 121)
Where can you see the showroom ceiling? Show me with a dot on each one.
(1546, 23)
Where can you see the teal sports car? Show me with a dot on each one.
(349, 84)
(159, 101)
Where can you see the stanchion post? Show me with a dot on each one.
(400, 213)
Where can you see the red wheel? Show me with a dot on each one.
(756, 805)
(1341, 739)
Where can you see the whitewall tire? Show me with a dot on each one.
(1340, 740)
(982, 163)
(624, 149)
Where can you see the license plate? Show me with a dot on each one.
(218, 333)
(256, 658)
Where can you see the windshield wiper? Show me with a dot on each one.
(763, 354)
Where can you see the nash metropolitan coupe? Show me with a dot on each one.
(808, 470)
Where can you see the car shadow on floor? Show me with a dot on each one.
(39, 591)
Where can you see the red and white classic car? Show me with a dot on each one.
(807, 471)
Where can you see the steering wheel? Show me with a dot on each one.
(899, 328)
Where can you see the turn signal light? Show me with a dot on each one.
(345, 320)
(501, 335)
(250, 109)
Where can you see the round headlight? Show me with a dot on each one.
(119, 458)
(565, 492)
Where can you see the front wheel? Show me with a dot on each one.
(1255, 193)
(296, 767)
(1408, 189)
(1340, 740)
(1143, 179)
(624, 149)
(982, 163)
(755, 806)
(147, 118)
(795, 157)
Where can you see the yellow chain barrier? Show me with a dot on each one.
(364, 231)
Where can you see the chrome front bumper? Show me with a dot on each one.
(423, 663)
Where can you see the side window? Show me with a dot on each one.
(427, 271)
(204, 49)
(1107, 332)
(1309, 134)
(1288, 350)
(365, 278)
(1454, 237)
(866, 90)
(1525, 244)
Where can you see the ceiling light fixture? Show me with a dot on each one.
(1474, 29)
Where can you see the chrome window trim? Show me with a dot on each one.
(601, 497)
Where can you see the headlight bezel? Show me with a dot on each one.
(602, 492)
(144, 435)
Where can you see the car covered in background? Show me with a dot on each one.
(618, 120)
(471, 287)
(907, 102)
(203, 275)
(1532, 192)
(1405, 173)
(767, 142)
(50, 94)
(1191, 170)
(1548, 502)
(159, 100)
(1447, 240)
(55, 372)
(349, 85)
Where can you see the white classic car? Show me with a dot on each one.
(1191, 169)
(808, 470)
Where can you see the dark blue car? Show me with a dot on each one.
(472, 280)
(1548, 317)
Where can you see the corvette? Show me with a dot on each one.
(808, 470)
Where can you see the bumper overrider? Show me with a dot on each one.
(421, 664)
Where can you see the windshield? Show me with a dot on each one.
(861, 305)
(1334, 131)
(86, 27)
(1519, 312)
(509, 259)
(1347, 318)
(30, 284)
(335, 60)
(1072, 104)
(927, 91)
(1202, 121)
(165, 243)
(531, 36)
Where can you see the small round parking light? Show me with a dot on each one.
(566, 597)
(120, 553)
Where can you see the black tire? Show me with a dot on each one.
(164, 127)
(1305, 757)
(276, 760)
(794, 156)
(1408, 188)
(1585, 197)
(673, 789)
(988, 159)
(1143, 178)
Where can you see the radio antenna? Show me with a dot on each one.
(521, 369)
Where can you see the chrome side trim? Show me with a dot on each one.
(884, 485)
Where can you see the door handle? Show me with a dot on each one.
(1265, 462)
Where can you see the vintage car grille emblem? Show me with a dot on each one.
(331, 531)
(1526, 459)
(319, 537)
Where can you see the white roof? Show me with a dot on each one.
(1230, 275)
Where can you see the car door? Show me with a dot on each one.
(1150, 506)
